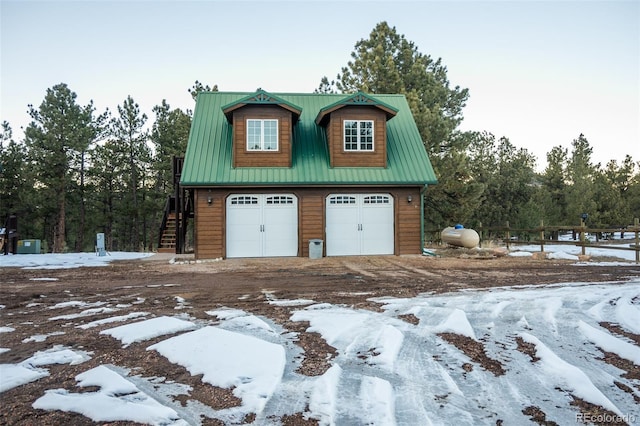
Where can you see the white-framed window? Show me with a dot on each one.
(377, 199)
(358, 135)
(243, 200)
(262, 135)
(280, 199)
(342, 199)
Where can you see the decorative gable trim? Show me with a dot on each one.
(357, 99)
(261, 97)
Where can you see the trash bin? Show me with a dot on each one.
(315, 249)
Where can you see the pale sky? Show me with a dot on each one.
(538, 72)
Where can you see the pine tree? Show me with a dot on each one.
(129, 139)
(60, 131)
(387, 62)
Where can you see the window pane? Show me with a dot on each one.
(253, 134)
(350, 135)
(366, 135)
(270, 135)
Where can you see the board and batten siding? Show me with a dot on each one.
(210, 228)
(244, 158)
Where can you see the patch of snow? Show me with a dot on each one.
(324, 396)
(117, 400)
(85, 313)
(65, 260)
(377, 399)
(28, 370)
(41, 337)
(251, 366)
(520, 254)
(294, 302)
(568, 376)
(148, 329)
(7, 329)
(76, 304)
(456, 322)
(610, 343)
(110, 320)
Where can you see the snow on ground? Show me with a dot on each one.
(65, 260)
(145, 330)
(29, 370)
(388, 370)
(117, 399)
(571, 252)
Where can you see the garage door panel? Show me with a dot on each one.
(260, 225)
(281, 230)
(342, 225)
(359, 224)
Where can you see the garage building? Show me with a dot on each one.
(269, 172)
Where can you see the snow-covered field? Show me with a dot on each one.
(66, 260)
(388, 369)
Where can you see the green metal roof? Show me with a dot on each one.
(261, 98)
(355, 99)
(208, 160)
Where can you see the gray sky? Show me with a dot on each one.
(538, 72)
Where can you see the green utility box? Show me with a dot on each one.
(28, 247)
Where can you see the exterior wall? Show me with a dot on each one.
(335, 138)
(279, 158)
(210, 230)
(209, 223)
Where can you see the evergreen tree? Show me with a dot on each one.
(134, 156)
(507, 175)
(16, 185)
(169, 134)
(200, 87)
(59, 132)
(387, 62)
(581, 174)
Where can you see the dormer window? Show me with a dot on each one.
(358, 135)
(262, 135)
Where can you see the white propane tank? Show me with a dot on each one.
(461, 237)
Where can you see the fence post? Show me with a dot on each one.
(636, 226)
(542, 235)
(508, 236)
(480, 243)
(582, 236)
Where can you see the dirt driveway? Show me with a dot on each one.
(245, 284)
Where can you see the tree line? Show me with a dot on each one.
(79, 171)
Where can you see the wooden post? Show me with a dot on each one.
(582, 236)
(508, 236)
(480, 244)
(636, 226)
(542, 236)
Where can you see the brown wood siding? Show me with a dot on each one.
(279, 158)
(311, 218)
(210, 222)
(335, 137)
(407, 217)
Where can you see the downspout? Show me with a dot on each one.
(422, 192)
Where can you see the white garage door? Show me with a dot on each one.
(262, 225)
(359, 224)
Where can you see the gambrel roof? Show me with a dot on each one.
(208, 160)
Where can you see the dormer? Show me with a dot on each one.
(356, 129)
(262, 130)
